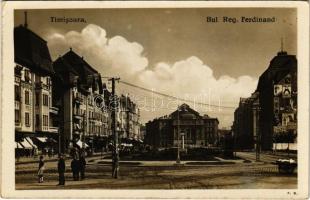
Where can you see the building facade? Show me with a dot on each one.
(128, 119)
(269, 116)
(245, 123)
(35, 114)
(79, 91)
(277, 88)
(285, 112)
(183, 124)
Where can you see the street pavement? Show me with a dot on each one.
(163, 175)
(266, 157)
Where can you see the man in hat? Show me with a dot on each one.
(61, 169)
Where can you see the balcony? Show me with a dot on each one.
(54, 110)
(78, 114)
(40, 85)
(77, 97)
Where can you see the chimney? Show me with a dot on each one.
(25, 24)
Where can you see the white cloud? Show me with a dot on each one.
(118, 56)
(108, 55)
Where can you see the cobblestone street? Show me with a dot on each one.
(161, 175)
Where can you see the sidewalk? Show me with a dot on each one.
(165, 163)
(28, 160)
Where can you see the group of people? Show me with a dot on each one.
(78, 166)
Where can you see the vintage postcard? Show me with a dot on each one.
(155, 100)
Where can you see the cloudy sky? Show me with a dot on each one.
(172, 51)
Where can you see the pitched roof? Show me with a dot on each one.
(73, 63)
(32, 51)
(279, 67)
(184, 108)
(79, 64)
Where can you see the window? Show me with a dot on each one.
(37, 99)
(45, 120)
(37, 120)
(17, 116)
(27, 76)
(27, 119)
(45, 100)
(27, 102)
(47, 81)
(17, 92)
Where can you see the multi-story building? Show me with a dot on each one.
(79, 91)
(277, 88)
(35, 114)
(270, 114)
(128, 119)
(196, 130)
(244, 123)
(285, 112)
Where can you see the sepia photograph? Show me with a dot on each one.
(157, 98)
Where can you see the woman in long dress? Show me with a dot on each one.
(41, 170)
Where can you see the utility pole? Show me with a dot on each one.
(258, 137)
(115, 156)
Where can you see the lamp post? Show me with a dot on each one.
(258, 135)
(182, 135)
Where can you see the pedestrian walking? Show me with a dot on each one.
(41, 170)
(75, 167)
(82, 166)
(61, 169)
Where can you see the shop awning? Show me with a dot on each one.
(18, 145)
(80, 144)
(42, 139)
(30, 142)
(26, 144)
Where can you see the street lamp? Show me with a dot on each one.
(182, 135)
(178, 161)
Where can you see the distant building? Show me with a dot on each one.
(277, 88)
(226, 142)
(79, 91)
(128, 115)
(245, 120)
(35, 114)
(198, 131)
(270, 114)
(142, 132)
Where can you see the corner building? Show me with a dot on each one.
(35, 114)
(79, 91)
